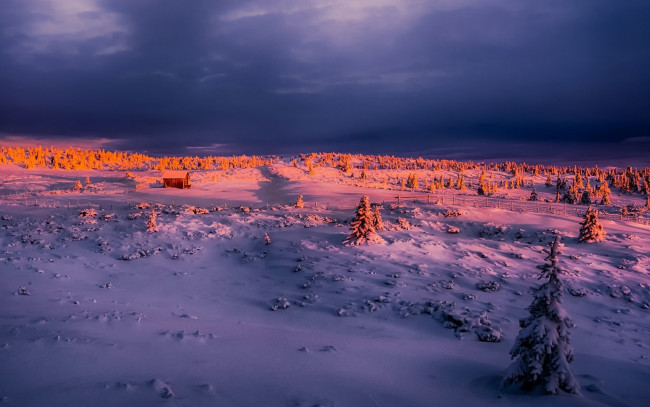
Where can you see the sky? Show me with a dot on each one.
(465, 78)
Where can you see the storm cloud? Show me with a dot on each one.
(272, 76)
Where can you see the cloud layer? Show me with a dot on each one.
(278, 76)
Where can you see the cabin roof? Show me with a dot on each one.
(174, 174)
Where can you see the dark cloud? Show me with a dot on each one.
(286, 76)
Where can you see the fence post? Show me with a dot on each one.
(428, 198)
(398, 199)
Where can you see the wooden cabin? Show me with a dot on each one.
(176, 179)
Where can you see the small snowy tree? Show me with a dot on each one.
(267, 239)
(299, 202)
(362, 227)
(591, 230)
(77, 185)
(377, 221)
(151, 223)
(533, 195)
(542, 348)
(572, 196)
(87, 181)
(482, 184)
(412, 181)
(586, 197)
(549, 181)
(606, 194)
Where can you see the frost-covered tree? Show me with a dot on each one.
(549, 181)
(362, 227)
(533, 195)
(460, 182)
(591, 230)
(542, 349)
(377, 221)
(310, 168)
(586, 197)
(482, 184)
(299, 202)
(77, 185)
(605, 193)
(645, 189)
(151, 223)
(412, 181)
(578, 181)
(572, 196)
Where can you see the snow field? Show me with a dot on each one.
(116, 315)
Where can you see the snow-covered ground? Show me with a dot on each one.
(97, 311)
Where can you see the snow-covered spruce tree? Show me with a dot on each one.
(591, 230)
(299, 202)
(362, 227)
(533, 195)
(549, 181)
(377, 221)
(586, 197)
(606, 193)
(542, 348)
(412, 181)
(482, 184)
(571, 196)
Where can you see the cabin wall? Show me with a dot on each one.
(174, 183)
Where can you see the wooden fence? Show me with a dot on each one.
(81, 201)
(604, 212)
